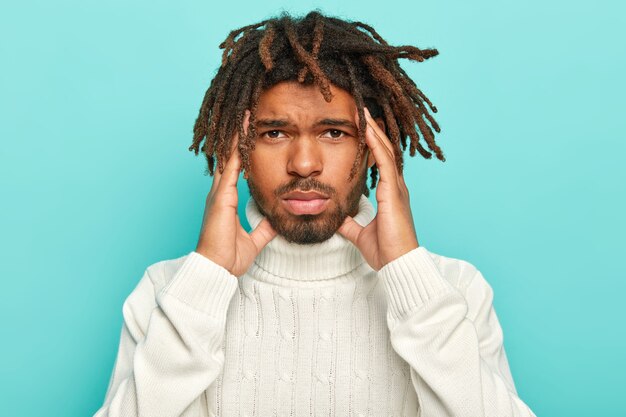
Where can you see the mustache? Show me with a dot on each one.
(305, 184)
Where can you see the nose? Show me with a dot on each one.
(305, 158)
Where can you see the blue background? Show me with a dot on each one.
(97, 102)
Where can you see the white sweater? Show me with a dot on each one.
(312, 330)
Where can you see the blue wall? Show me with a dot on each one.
(97, 102)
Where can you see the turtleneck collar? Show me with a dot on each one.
(282, 260)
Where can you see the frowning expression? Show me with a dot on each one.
(300, 167)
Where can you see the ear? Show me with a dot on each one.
(370, 159)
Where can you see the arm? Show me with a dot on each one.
(452, 341)
(170, 345)
(170, 348)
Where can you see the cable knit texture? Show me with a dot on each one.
(312, 330)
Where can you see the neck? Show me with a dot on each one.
(291, 263)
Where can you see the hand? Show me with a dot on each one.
(391, 234)
(222, 238)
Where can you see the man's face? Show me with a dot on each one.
(300, 166)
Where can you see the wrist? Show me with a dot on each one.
(399, 251)
(213, 256)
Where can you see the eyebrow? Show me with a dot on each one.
(336, 122)
(272, 123)
(323, 122)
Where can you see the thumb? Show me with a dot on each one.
(350, 230)
(262, 234)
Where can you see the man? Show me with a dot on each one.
(327, 307)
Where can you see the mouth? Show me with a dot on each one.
(305, 202)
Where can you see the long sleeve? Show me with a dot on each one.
(451, 338)
(170, 347)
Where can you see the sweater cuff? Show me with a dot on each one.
(410, 281)
(203, 285)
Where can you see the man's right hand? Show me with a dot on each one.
(222, 238)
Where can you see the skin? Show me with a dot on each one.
(306, 144)
(305, 149)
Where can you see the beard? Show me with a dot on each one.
(308, 228)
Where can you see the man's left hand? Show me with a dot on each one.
(391, 234)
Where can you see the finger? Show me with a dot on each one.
(230, 176)
(216, 182)
(380, 135)
(402, 182)
(351, 230)
(384, 139)
(233, 144)
(384, 159)
(262, 234)
(217, 175)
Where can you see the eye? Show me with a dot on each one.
(272, 134)
(334, 134)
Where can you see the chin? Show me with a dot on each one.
(307, 228)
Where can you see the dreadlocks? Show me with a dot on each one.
(318, 50)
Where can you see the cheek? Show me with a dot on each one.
(258, 162)
(264, 172)
(264, 157)
(339, 161)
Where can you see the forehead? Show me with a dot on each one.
(293, 100)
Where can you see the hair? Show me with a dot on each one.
(320, 50)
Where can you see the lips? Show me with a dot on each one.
(304, 195)
(305, 202)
